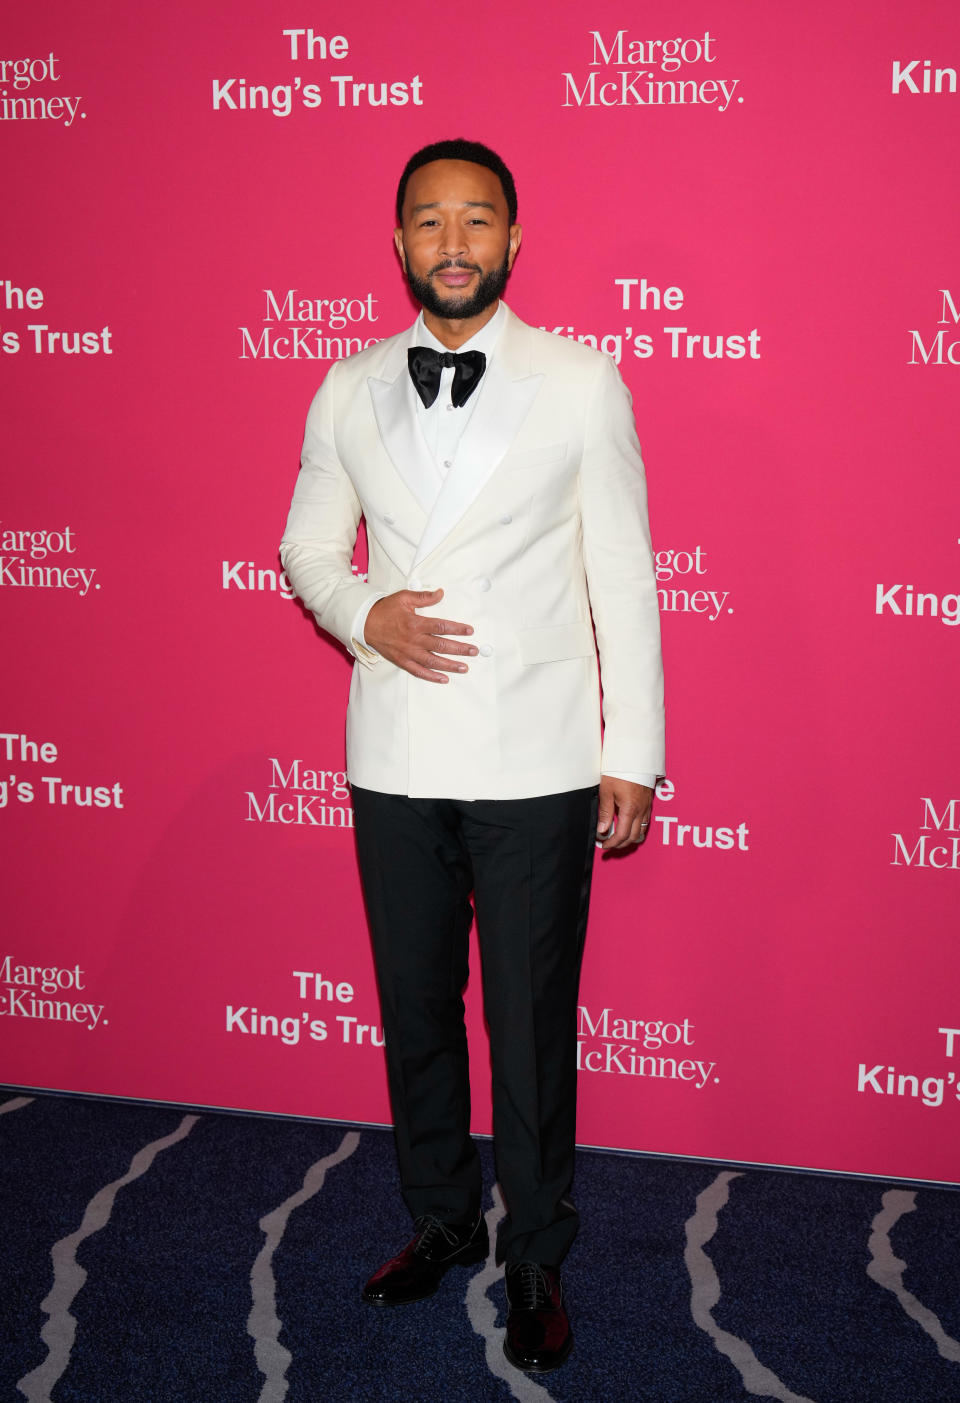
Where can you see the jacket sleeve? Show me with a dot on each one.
(317, 546)
(621, 580)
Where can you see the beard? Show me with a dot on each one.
(488, 290)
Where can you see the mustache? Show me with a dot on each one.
(455, 263)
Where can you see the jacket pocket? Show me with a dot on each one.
(555, 642)
(524, 458)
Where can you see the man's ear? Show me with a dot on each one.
(516, 234)
(398, 245)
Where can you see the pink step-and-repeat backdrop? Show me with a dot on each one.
(755, 214)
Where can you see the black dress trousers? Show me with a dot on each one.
(528, 864)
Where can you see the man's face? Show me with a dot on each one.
(456, 242)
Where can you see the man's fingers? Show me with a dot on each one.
(423, 636)
(633, 831)
(424, 673)
(441, 626)
(618, 835)
(448, 664)
(414, 599)
(417, 657)
(632, 805)
(426, 647)
(438, 628)
(426, 664)
(444, 645)
(440, 634)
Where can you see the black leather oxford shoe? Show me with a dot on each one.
(538, 1336)
(416, 1272)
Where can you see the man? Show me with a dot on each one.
(504, 499)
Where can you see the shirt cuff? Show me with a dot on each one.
(635, 778)
(358, 644)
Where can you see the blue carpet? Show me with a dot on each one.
(689, 1283)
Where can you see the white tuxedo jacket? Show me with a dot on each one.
(541, 523)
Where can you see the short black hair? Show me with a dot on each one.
(460, 150)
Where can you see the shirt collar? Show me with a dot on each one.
(485, 339)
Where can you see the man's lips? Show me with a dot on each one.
(454, 277)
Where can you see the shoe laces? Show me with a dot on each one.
(529, 1287)
(430, 1230)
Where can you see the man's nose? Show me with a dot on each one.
(453, 244)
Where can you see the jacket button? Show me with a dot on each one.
(485, 650)
(388, 519)
(414, 584)
(482, 585)
(506, 520)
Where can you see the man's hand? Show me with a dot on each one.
(623, 817)
(416, 643)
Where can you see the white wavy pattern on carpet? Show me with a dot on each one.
(17, 1104)
(483, 1317)
(263, 1323)
(705, 1293)
(60, 1330)
(887, 1270)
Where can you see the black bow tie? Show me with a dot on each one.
(426, 364)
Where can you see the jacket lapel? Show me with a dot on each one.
(507, 392)
(396, 415)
